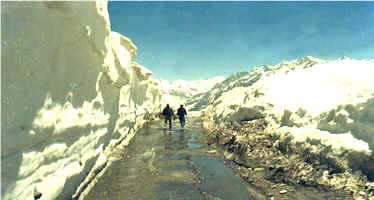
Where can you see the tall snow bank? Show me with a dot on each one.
(334, 97)
(70, 93)
(322, 87)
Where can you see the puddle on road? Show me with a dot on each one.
(219, 180)
(161, 164)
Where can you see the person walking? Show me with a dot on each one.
(168, 113)
(181, 114)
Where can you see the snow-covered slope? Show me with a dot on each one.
(179, 91)
(70, 94)
(308, 99)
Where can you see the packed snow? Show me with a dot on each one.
(71, 94)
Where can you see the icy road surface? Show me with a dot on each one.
(161, 164)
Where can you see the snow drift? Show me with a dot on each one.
(308, 100)
(70, 93)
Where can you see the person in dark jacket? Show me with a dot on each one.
(168, 113)
(181, 114)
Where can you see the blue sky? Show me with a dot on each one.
(198, 40)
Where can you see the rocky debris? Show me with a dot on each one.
(229, 156)
(37, 194)
(268, 161)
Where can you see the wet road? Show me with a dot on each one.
(160, 164)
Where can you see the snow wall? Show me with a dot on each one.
(70, 94)
(326, 106)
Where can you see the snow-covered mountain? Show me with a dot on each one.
(310, 100)
(179, 91)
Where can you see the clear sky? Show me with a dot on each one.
(198, 40)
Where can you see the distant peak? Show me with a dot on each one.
(313, 59)
(345, 58)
